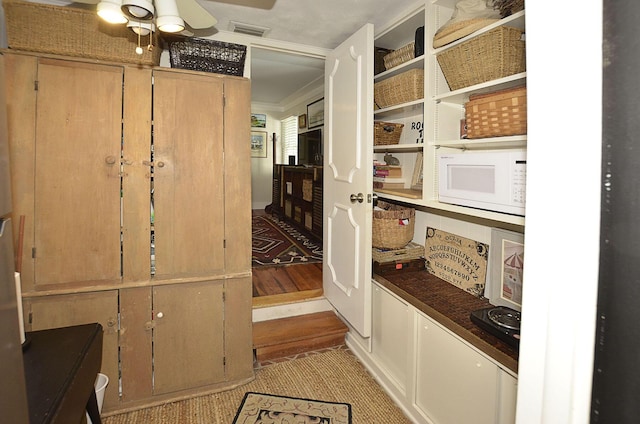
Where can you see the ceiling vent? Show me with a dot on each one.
(248, 29)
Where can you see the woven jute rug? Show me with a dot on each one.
(334, 375)
(262, 408)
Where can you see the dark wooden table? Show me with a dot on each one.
(61, 366)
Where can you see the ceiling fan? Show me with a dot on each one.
(144, 16)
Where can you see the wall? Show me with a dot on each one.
(262, 168)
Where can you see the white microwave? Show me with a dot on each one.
(492, 180)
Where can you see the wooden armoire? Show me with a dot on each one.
(131, 196)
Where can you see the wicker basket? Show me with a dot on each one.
(386, 133)
(74, 32)
(495, 54)
(392, 226)
(398, 57)
(410, 251)
(214, 56)
(405, 87)
(497, 114)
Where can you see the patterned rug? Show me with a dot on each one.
(275, 242)
(260, 408)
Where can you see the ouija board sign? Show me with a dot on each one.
(457, 260)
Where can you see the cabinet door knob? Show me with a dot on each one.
(160, 164)
(159, 315)
(110, 160)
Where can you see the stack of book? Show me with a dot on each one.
(387, 176)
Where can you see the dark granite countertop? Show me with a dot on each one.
(451, 307)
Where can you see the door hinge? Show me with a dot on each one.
(35, 85)
(224, 361)
(30, 317)
(33, 253)
(224, 243)
(224, 101)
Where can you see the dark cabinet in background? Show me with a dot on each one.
(297, 197)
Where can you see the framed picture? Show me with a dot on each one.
(506, 260)
(258, 144)
(302, 121)
(416, 180)
(258, 120)
(315, 113)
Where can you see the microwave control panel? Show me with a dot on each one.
(518, 188)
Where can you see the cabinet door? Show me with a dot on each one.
(188, 174)
(390, 335)
(85, 308)
(455, 384)
(77, 173)
(188, 336)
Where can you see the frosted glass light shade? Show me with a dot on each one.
(109, 10)
(141, 28)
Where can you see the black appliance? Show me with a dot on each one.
(500, 321)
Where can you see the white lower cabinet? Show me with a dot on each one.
(435, 376)
(390, 336)
(455, 384)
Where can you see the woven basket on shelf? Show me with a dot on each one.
(386, 133)
(410, 251)
(398, 57)
(405, 87)
(70, 31)
(214, 56)
(393, 226)
(496, 114)
(495, 54)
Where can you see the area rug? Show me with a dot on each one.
(261, 408)
(274, 242)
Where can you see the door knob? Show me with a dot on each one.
(357, 198)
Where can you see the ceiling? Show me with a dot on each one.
(277, 76)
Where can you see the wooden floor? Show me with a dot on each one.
(285, 284)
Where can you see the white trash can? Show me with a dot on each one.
(100, 386)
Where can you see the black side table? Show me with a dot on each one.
(60, 367)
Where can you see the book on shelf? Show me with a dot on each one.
(387, 171)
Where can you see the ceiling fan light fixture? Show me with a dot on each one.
(110, 11)
(141, 28)
(168, 19)
(139, 10)
(170, 23)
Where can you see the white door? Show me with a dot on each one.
(348, 178)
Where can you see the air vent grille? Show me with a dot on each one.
(248, 29)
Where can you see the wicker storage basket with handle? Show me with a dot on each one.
(386, 133)
(393, 226)
(496, 114)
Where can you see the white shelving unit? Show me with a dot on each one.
(440, 110)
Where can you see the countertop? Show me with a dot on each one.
(451, 307)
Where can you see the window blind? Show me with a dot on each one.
(289, 142)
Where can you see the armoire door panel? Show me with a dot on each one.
(77, 173)
(188, 174)
(84, 308)
(188, 336)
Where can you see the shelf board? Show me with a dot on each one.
(415, 147)
(479, 213)
(415, 63)
(401, 192)
(461, 96)
(400, 110)
(510, 142)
